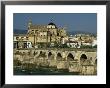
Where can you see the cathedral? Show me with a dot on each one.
(40, 34)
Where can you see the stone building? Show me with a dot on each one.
(40, 34)
(49, 33)
(22, 41)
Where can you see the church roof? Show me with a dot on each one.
(51, 23)
(38, 27)
(41, 26)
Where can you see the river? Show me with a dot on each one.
(43, 71)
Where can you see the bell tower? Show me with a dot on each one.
(29, 23)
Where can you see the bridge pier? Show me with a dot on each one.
(55, 56)
(66, 58)
(47, 55)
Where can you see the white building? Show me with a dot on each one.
(29, 44)
(72, 44)
(87, 44)
(94, 43)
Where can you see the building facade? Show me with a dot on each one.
(40, 34)
(45, 33)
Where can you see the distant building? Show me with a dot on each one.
(72, 44)
(21, 41)
(39, 36)
(94, 43)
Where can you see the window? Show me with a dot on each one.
(36, 31)
(57, 34)
(15, 45)
(17, 38)
(53, 26)
(25, 45)
(22, 37)
(27, 38)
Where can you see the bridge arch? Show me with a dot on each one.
(36, 54)
(42, 54)
(70, 57)
(50, 55)
(59, 57)
(83, 57)
(95, 61)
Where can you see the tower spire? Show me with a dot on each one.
(29, 23)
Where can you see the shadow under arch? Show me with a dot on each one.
(50, 56)
(70, 57)
(96, 61)
(42, 54)
(83, 57)
(59, 57)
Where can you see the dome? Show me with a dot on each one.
(52, 25)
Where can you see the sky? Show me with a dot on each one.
(86, 22)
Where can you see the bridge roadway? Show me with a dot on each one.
(63, 49)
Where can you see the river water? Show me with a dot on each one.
(43, 71)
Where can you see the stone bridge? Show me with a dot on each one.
(83, 61)
(60, 54)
